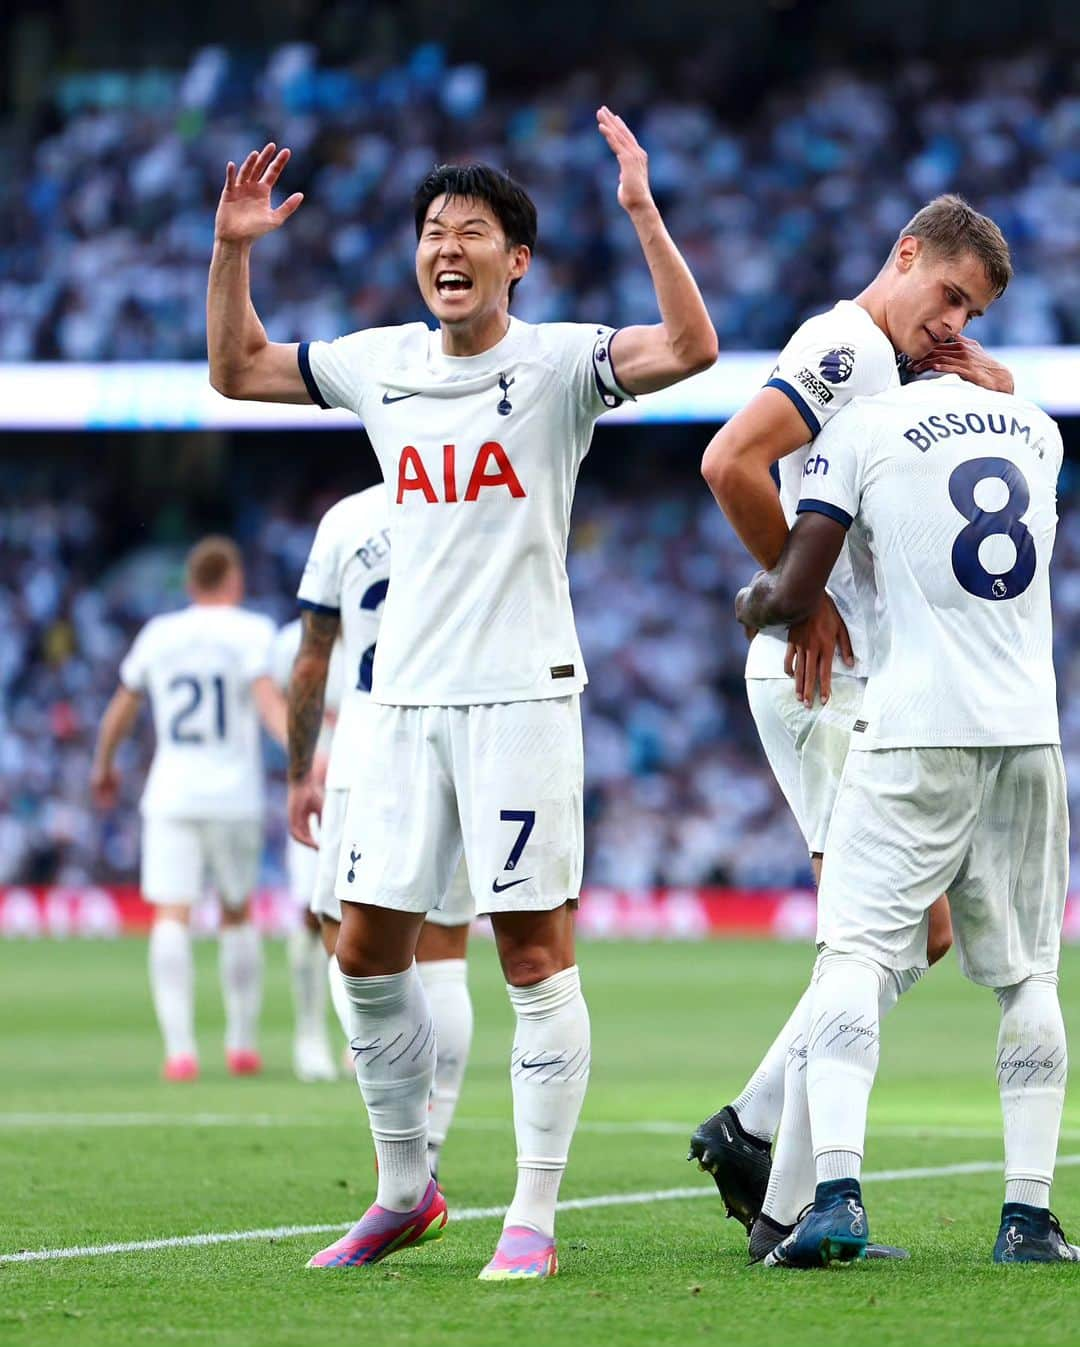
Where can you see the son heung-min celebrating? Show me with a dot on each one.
(480, 428)
(955, 782)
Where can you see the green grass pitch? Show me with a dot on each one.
(675, 1030)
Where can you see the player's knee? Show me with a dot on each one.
(830, 960)
(329, 929)
(526, 965)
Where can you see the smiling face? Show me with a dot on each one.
(464, 264)
(931, 296)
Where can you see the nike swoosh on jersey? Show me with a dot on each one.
(387, 399)
(496, 887)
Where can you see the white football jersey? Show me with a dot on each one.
(348, 574)
(283, 656)
(197, 666)
(950, 495)
(832, 358)
(479, 456)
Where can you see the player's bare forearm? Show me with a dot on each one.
(745, 491)
(234, 333)
(737, 466)
(270, 705)
(790, 592)
(116, 724)
(646, 359)
(307, 690)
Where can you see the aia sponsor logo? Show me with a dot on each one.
(491, 470)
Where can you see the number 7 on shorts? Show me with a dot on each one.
(527, 819)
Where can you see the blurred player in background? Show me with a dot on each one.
(954, 782)
(313, 1059)
(480, 429)
(206, 672)
(948, 265)
(342, 593)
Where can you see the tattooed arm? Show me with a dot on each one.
(307, 688)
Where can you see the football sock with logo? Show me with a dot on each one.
(1032, 1063)
(793, 1177)
(447, 988)
(339, 997)
(762, 1100)
(307, 961)
(393, 1041)
(240, 966)
(842, 1059)
(172, 982)
(549, 1071)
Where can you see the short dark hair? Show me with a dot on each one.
(211, 561)
(510, 204)
(952, 227)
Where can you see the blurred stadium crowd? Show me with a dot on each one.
(677, 788)
(105, 238)
(104, 244)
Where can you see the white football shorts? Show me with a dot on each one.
(806, 746)
(331, 826)
(456, 908)
(988, 826)
(501, 784)
(301, 867)
(180, 856)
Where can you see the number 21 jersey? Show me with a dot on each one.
(198, 666)
(950, 495)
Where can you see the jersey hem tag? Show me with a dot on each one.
(562, 671)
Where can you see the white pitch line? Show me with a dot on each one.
(640, 1127)
(472, 1214)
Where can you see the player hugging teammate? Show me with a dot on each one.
(954, 782)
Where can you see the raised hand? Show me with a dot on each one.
(244, 212)
(966, 357)
(634, 191)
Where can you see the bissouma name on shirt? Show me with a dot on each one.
(942, 427)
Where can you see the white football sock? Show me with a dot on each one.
(447, 988)
(794, 1174)
(339, 997)
(240, 965)
(762, 1100)
(172, 986)
(1032, 1064)
(791, 1181)
(842, 1056)
(393, 1041)
(549, 1071)
(307, 970)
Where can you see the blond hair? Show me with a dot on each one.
(951, 227)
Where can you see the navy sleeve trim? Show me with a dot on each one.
(826, 508)
(319, 608)
(812, 423)
(303, 359)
